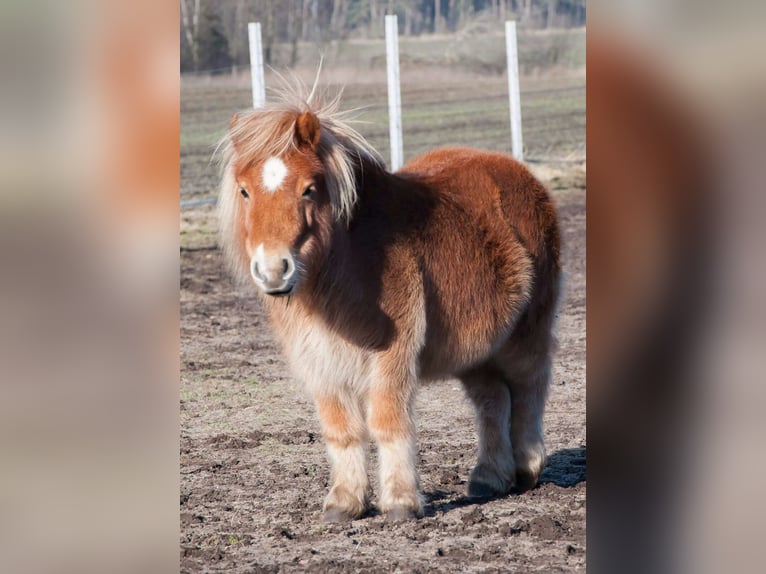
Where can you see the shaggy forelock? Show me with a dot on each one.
(270, 131)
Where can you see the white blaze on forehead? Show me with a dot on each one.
(274, 172)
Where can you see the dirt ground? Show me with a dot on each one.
(253, 465)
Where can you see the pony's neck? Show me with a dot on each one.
(373, 183)
(338, 275)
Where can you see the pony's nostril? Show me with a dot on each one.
(288, 267)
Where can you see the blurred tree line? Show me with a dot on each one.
(214, 32)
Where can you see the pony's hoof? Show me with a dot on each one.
(337, 515)
(525, 480)
(486, 482)
(482, 491)
(400, 514)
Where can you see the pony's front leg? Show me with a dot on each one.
(344, 432)
(393, 428)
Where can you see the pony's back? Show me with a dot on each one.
(481, 181)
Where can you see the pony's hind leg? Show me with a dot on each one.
(494, 472)
(528, 395)
(528, 380)
(344, 432)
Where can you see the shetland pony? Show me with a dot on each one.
(375, 280)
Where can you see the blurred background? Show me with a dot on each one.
(675, 283)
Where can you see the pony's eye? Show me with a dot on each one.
(309, 190)
(244, 193)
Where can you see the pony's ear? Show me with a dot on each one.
(307, 130)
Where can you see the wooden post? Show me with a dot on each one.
(512, 56)
(394, 94)
(256, 64)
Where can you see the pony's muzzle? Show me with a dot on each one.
(273, 271)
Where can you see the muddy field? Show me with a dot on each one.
(253, 466)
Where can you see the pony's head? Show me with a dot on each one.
(290, 175)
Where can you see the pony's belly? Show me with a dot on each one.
(449, 355)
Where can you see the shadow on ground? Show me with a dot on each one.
(564, 468)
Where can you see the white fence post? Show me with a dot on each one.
(394, 95)
(512, 55)
(256, 64)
